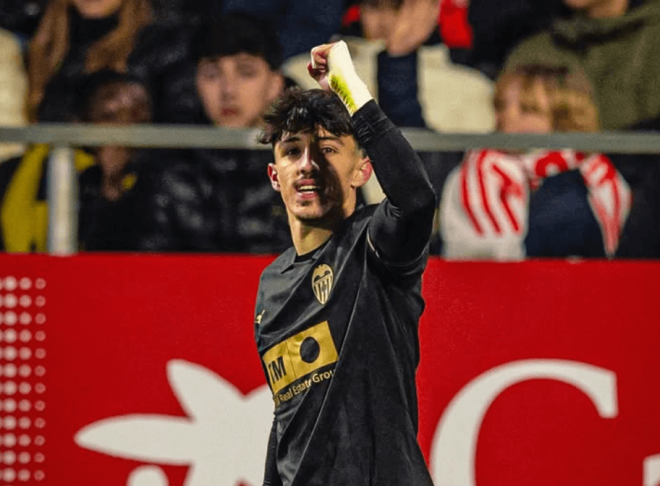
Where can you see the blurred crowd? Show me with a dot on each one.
(470, 66)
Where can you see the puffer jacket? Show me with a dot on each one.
(641, 235)
(195, 201)
(619, 56)
(161, 59)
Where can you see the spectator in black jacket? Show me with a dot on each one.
(106, 188)
(209, 200)
(108, 172)
(641, 234)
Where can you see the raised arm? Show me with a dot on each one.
(401, 227)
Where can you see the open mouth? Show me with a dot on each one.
(308, 190)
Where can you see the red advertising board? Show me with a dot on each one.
(140, 370)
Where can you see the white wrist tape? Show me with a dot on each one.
(343, 79)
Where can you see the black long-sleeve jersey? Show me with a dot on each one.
(337, 334)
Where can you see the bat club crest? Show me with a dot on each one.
(322, 279)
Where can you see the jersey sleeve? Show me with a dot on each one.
(400, 229)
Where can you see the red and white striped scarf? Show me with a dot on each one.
(494, 187)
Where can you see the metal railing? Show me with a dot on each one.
(62, 183)
(185, 136)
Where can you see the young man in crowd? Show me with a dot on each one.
(337, 314)
(238, 61)
(216, 200)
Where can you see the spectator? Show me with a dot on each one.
(417, 23)
(412, 81)
(13, 90)
(107, 98)
(641, 234)
(238, 60)
(300, 24)
(209, 200)
(508, 205)
(78, 37)
(412, 89)
(498, 27)
(404, 25)
(616, 43)
(106, 188)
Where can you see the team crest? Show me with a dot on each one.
(322, 282)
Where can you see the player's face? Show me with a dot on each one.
(235, 90)
(318, 174)
(96, 9)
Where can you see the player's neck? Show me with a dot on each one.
(308, 235)
(308, 238)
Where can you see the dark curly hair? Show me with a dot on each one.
(298, 110)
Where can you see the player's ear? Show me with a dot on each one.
(362, 172)
(272, 175)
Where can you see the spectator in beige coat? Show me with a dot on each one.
(453, 97)
(13, 90)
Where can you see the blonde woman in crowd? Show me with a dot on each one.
(511, 205)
